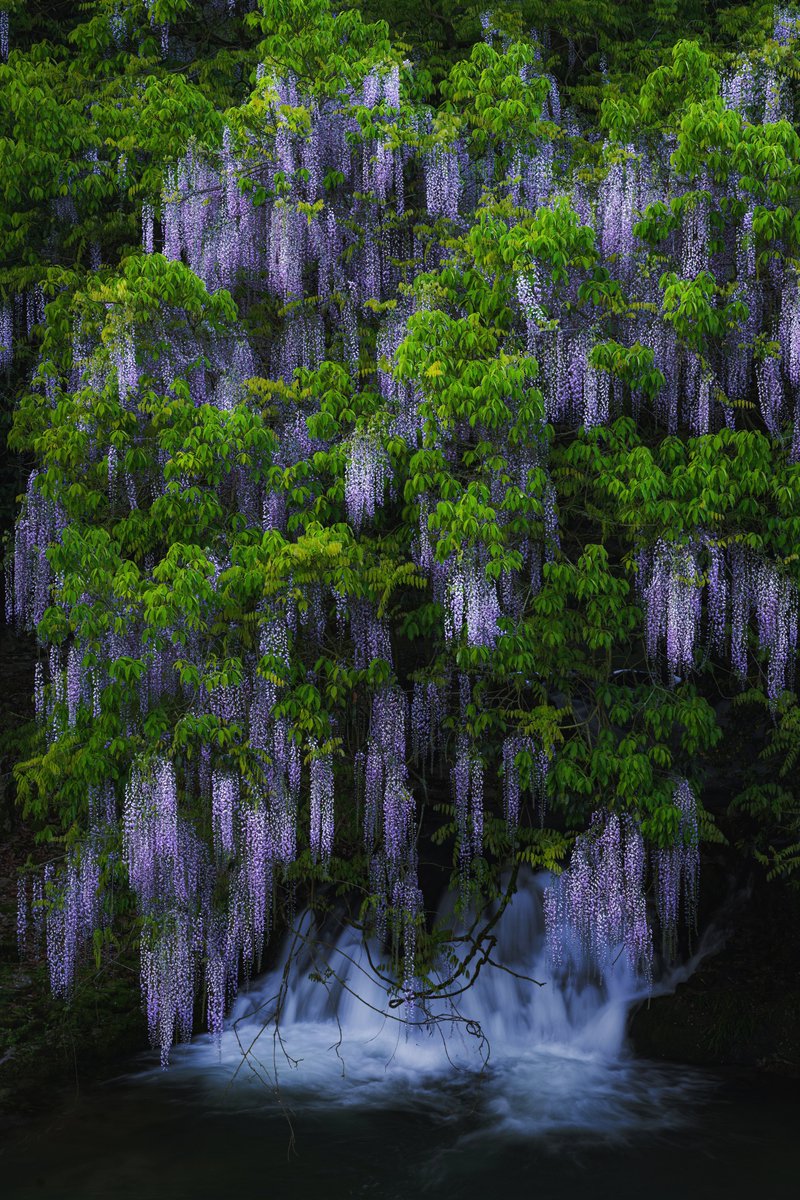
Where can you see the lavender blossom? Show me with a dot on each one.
(472, 606)
(366, 476)
(321, 805)
(6, 335)
(599, 899)
(677, 867)
(671, 585)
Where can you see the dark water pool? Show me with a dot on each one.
(727, 1137)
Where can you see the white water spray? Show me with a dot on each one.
(537, 1050)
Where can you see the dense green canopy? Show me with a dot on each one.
(412, 403)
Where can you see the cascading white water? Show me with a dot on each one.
(541, 1050)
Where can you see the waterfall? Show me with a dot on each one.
(538, 1048)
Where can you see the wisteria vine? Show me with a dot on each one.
(335, 218)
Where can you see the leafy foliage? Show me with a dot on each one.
(444, 461)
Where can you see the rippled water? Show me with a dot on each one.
(684, 1136)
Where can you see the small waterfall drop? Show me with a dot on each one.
(536, 1050)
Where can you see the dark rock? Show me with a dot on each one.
(742, 1005)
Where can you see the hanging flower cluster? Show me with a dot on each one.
(467, 775)
(671, 590)
(389, 829)
(673, 580)
(677, 867)
(366, 476)
(599, 899)
(472, 606)
(516, 749)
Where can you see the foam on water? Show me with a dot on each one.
(526, 1059)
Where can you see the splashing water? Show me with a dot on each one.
(529, 1049)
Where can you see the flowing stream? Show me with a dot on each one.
(538, 1050)
(526, 1077)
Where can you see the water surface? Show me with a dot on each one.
(686, 1135)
